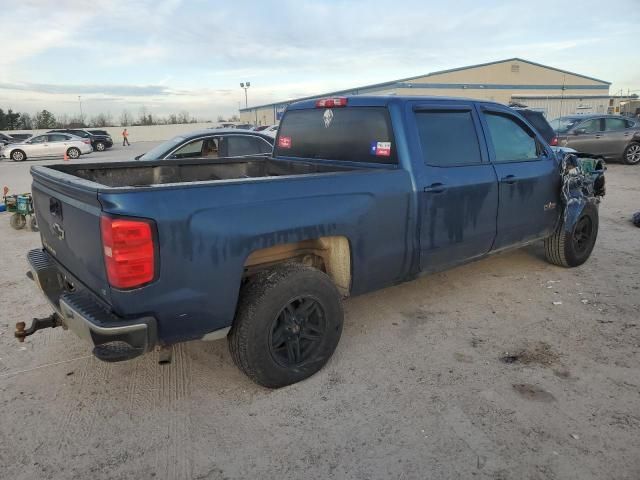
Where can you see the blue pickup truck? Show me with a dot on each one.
(360, 193)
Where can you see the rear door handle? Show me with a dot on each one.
(598, 136)
(510, 179)
(435, 188)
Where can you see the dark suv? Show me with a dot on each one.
(99, 142)
(537, 119)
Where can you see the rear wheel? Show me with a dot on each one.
(73, 152)
(288, 325)
(631, 155)
(18, 156)
(18, 221)
(100, 147)
(573, 248)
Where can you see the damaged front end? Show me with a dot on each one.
(582, 183)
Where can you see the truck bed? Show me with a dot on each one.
(144, 174)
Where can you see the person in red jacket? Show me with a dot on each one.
(125, 137)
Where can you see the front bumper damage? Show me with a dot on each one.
(114, 338)
(582, 183)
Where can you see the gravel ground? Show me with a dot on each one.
(470, 373)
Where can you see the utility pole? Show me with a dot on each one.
(81, 115)
(246, 86)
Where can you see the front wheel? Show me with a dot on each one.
(18, 221)
(288, 325)
(18, 156)
(572, 248)
(73, 153)
(631, 155)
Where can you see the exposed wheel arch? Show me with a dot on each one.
(332, 255)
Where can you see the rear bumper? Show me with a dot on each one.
(113, 337)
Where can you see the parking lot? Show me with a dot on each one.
(507, 368)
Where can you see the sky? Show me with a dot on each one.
(168, 56)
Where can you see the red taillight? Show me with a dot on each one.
(331, 102)
(554, 142)
(88, 142)
(129, 254)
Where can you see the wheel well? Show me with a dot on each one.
(332, 255)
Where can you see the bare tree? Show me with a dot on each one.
(183, 117)
(125, 118)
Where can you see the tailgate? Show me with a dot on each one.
(68, 213)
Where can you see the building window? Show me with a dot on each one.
(515, 68)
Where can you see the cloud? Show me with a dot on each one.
(156, 52)
(132, 90)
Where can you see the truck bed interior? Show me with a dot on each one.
(137, 174)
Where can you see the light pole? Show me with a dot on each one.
(81, 115)
(246, 86)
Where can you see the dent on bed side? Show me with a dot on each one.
(330, 254)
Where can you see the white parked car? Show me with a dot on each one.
(47, 145)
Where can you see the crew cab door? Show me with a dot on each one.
(586, 137)
(528, 176)
(57, 144)
(457, 185)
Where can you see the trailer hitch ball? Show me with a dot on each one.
(20, 333)
(52, 321)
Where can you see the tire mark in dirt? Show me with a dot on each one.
(174, 454)
(79, 419)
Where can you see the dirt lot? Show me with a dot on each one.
(472, 373)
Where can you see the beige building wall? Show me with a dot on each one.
(501, 82)
(514, 72)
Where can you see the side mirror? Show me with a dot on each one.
(580, 131)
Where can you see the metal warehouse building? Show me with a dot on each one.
(551, 90)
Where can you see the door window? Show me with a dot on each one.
(613, 124)
(448, 138)
(39, 139)
(191, 149)
(512, 142)
(590, 126)
(238, 145)
(57, 137)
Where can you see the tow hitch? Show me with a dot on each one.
(52, 321)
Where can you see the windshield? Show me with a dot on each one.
(160, 150)
(564, 124)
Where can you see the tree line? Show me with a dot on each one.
(44, 119)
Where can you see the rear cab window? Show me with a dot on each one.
(353, 134)
(448, 138)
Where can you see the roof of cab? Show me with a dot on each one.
(384, 100)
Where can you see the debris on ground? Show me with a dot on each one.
(540, 353)
(557, 303)
(636, 219)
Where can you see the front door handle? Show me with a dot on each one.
(510, 179)
(435, 188)
(598, 136)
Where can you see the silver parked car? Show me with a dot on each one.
(612, 136)
(47, 145)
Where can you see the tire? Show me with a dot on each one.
(73, 152)
(18, 221)
(572, 249)
(631, 155)
(33, 224)
(100, 147)
(18, 156)
(288, 324)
